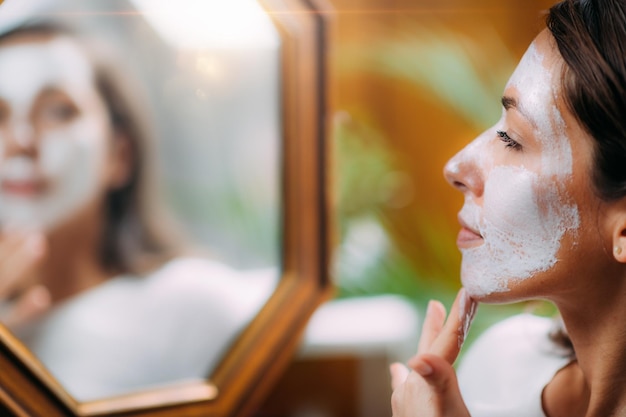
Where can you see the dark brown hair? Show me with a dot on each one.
(137, 235)
(591, 38)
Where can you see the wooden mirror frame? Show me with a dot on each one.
(257, 358)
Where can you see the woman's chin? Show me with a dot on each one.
(484, 293)
(512, 293)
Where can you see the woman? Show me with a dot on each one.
(54, 188)
(91, 281)
(544, 218)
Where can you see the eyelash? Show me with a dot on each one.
(509, 142)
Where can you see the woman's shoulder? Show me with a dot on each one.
(510, 364)
(187, 280)
(181, 289)
(195, 267)
(181, 318)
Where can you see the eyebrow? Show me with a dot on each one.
(50, 89)
(509, 102)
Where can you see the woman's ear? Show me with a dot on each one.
(619, 239)
(120, 161)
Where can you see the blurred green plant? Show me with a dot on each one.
(368, 261)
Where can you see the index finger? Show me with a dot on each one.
(451, 338)
(433, 323)
(21, 254)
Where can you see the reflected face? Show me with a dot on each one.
(521, 211)
(54, 130)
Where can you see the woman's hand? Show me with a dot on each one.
(21, 297)
(430, 388)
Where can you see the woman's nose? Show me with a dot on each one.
(21, 139)
(463, 171)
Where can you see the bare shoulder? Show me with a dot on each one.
(200, 280)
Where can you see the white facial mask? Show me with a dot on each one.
(70, 159)
(524, 214)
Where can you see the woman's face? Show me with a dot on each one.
(526, 182)
(54, 132)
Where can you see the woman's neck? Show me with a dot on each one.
(595, 326)
(73, 263)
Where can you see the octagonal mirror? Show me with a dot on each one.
(164, 220)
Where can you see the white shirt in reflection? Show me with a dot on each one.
(132, 333)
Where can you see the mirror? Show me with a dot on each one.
(215, 131)
(237, 95)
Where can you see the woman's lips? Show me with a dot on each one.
(21, 188)
(467, 236)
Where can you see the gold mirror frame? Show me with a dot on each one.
(257, 358)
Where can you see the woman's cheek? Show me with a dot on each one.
(509, 201)
(522, 232)
(72, 160)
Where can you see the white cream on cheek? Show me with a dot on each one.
(70, 158)
(524, 214)
(28, 68)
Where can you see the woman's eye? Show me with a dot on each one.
(508, 141)
(59, 112)
(55, 113)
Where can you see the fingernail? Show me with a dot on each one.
(464, 302)
(429, 307)
(467, 310)
(423, 368)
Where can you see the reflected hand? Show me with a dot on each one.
(430, 387)
(21, 256)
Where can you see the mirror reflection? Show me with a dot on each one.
(139, 185)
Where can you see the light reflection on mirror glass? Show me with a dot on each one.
(210, 73)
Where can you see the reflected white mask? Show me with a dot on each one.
(524, 214)
(69, 159)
